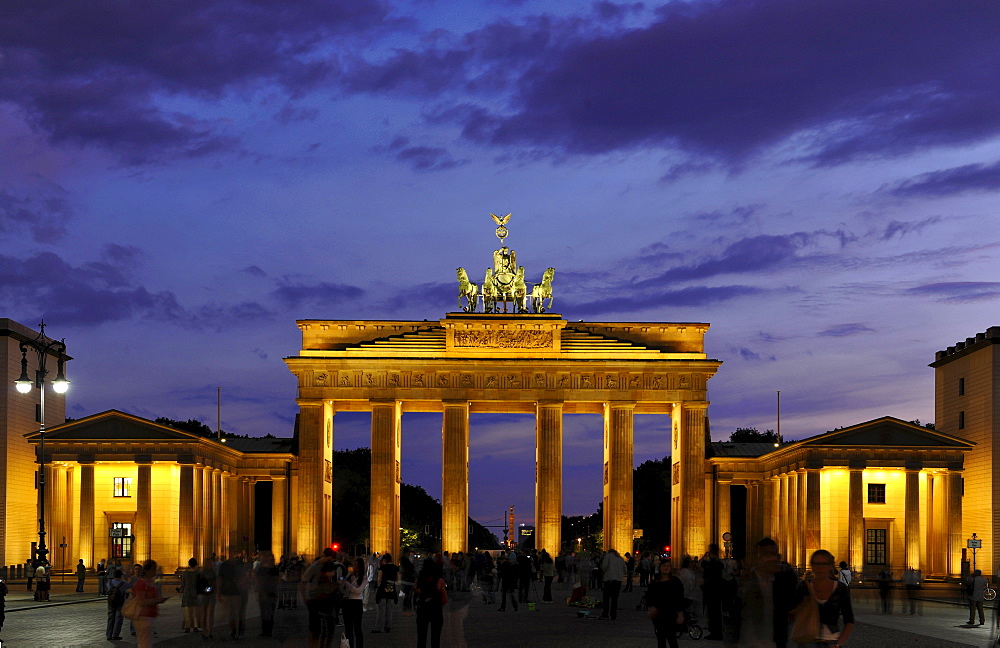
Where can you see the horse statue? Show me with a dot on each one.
(466, 289)
(542, 291)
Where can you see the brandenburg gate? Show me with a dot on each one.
(525, 361)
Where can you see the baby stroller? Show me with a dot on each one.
(690, 626)
(487, 583)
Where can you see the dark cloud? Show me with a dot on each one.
(902, 228)
(844, 330)
(728, 79)
(959, 291)
(747, 354)
(88, 294)
(420, 158)
(91, 73)
(293, 294)
(254, 271)
(43, 214)
(643, 300)
(947, 182)
(427, 297)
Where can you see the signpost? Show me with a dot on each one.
(975, 544)
(727, 541)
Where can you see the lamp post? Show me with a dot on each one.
(42, 347)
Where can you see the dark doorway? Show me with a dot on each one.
(263, 490)
(738, 520)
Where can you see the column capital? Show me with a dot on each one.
(309, 402)
(913, 466)
(455, 402)
(620, 404)
(383, 401)
(857, 464)
(694, 404)
(143, 459)
(549, 403)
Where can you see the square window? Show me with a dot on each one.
(123, 487)
(876, 493)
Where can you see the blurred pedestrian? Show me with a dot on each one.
(149, 601)
(267, 581)
(431, 597)
(189, 596)
(832, 597)
(911, 580)
(353, 607)
(387, 592)
(613, 570)
(207, 596)
(117, 592)
(665, 605)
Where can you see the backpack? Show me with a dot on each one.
(116, 596)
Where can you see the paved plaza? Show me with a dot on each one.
(78, 620)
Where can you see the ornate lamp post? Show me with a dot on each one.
(42, 347)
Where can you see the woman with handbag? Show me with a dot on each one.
(820, 605)
(665, 603)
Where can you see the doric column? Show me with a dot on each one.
(793, 506)
(755, 514)
(812, 511)
(279, 513)
(455, 476)
(315, 477)
(800, 519)
(185, 515)
(386, 455)
(954, 549)
(207, 508)
(233, 504)
(618, 432)
(60, 510)
(856, 518)
(780, 515)
(85, 542)
(767, 507)
(219, 536)
(198, 517)
(689, 494)
(723, 506)
(911, 519)
(142, 547)
(548, 476)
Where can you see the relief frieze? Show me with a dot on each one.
(504, 339)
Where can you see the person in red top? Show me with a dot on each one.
(150, 599)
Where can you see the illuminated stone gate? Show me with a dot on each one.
(502, 363)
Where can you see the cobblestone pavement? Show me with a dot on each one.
(78, 620)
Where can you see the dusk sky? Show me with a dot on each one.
(181, 181)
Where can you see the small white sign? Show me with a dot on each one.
(975, 544)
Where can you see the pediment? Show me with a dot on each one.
(113, 425)
(887, 431)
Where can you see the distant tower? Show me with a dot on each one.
(967, 404)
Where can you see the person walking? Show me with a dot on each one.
(765, 599)
(911, 579)
(267, 580)
(665, 605)
(976, 589)
(613, 572)
(431, 597)
(832, 597)
(354, 585)
(207, 595)
(386, 594)
(885, 590)
(408, 577)
(229, 594)
(548, 568)
(149, 601)
(712, 587)
(189, 597)
(508, 582)
(309, 592)
(81, 575)
(117, 592)
(102, 578)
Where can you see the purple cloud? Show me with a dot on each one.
(89, 294)
(691, 296)
(959, 291)
(749, 355)
(90, 74)
(44, 216)
(946, 182)
(728, 79)
(296, 295)
(844, 330)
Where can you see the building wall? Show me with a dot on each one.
(18, 494)
(833, 510)
(981, 370)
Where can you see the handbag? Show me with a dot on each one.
(132, 608)
(806, 626)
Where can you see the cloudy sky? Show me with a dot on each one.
(180, 181)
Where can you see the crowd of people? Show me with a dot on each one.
(755, 605)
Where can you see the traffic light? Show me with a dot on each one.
(666, 550)
(335, 546)
(506, 538)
